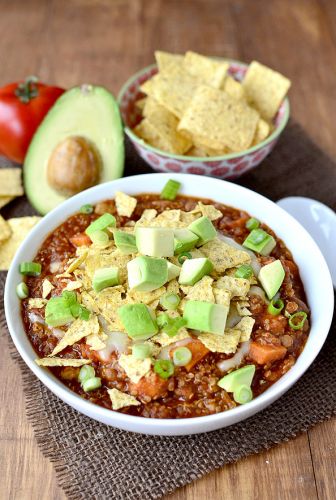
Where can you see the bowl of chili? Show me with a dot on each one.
(289, 327)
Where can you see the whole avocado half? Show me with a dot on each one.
(90, 115)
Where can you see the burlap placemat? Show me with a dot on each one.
(96, 461)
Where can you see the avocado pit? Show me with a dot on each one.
(74, 165)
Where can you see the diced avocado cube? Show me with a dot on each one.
(194, 269)
(138, 321)
(155, 241)
(184, 240)
(205, 316)
(147, 273)
(271, 277)
(204, 229)
(101, 224)
(105, 277)
(243, 376)
(125, 242)
(173, 271)
(260, 242)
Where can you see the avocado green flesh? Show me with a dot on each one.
(88, 111)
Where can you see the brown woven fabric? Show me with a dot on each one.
(96, 461)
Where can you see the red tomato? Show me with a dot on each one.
(22, 108)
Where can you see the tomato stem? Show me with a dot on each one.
(27, 90)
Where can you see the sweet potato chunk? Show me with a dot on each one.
(151, 386)
(263, 354)
(80, 239)
(198, 351)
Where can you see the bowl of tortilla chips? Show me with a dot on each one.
(200, 115)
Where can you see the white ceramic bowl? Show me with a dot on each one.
(313, 269)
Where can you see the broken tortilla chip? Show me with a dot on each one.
(265, 89)
(77, 330)
(121, 399)
(36, 303)
(135, 368)
(125, 204)
(5, 230)
(20, 227)
(47, 287)
(62, 362)
(10, 182)
(226, 343)
(238, 287)
(224, 256)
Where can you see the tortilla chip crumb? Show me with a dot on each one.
(125, 204)
(36, 303)
(62, 362)
(135, 368)
(47, 287)
(121, 399)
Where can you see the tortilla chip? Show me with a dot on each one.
(206, 69)
(197, 152)
(265, 89)
(135, 368)
(4, 200)
(121, 399)
(165, 125)
(208, 211)
(20, 227)
(226, 343)
(47, 287)
(77, 330)
(107, 303)
(10, 182)
(245, 327)
(234, 89)
(219, 120)
(125, 204)
(242, 309)
(222, 297)
(165, 59)
(238, 287)
(140, 103)
(73, 285)
(62, 362)
(97, 260)
(224, 256)
(77, 262)
(36, 303)
(173, 286)
(202, 290)
(5, 230)
(146, 297)
(147, 216)
(146, 87)
(173, 88)
(163, 339)
(96, 340)
(149, 134)
(262, 131)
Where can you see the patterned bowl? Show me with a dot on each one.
(228, 166)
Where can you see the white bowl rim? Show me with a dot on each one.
(129, 132)
(153, 425)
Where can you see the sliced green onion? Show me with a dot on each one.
(184, 256)
(243, 394)
(86, 209)
(182, 356)
(30, 268)
(99, 238)
(164, 368)
(170, 190)
(252, 224)
(91, 384)
(173, 326)
(22, 290)
(170, 301)
(141, 351)
(275, 306)
(101, 224)
(162, 320)
(244, 271)
(295, 322)
(85, 373)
